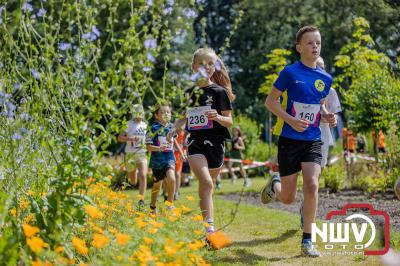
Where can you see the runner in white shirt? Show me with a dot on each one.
(332, 104)
(135, 150)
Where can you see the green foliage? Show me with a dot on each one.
(68, 78)
(276, 61)
(334, 177)
(367, 83)
(256, 149)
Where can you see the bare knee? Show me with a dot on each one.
(311, 188)
(206, 185)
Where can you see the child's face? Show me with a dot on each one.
(310, 45)
(205, 63)
(164, 114)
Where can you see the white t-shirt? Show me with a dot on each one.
(332, 104)
(137, 131)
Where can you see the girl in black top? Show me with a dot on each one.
(207, 120)
(236, 153)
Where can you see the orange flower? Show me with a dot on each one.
(196, 244)
(155, 224)
(152, 230)
(122, 239)
(36, 244)
(170, 251)
(198, 218)
(93, 212)
(110, 177)
(100, 240)
(80, 245)
(38, 262)
(59, 249)
(148, 240)
(83, 264)
(29, 230)
(218, 240)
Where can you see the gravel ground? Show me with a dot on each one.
(331, 201)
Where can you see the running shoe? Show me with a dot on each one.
(267, 194)
(247, 182)
(308, 249)
(140, 205)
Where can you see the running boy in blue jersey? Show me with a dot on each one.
(302, 87)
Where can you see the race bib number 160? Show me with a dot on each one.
(308, 112)
(197, 119)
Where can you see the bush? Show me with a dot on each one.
(256, 149)
(334, 177)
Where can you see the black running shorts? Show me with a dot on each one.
(160, 174)
(292, 152)
(211, 148)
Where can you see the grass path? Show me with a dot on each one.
(262, 236)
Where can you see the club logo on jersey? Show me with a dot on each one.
(209, 100)
(319, 85)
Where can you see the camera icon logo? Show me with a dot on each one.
(337, 234)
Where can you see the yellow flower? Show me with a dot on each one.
(38, 262)
(59, 249)
(196, 244)
(172, 218)
(155, 224)
(36, 244)
(190, 198)
(185, 209)
(13, 212)
(206, 225)
(152, 230)
(198, 218)
(148, 240)
(122, 239)
(140, 223)
(29, 230)
(93, 212)
(170, 251)
(198, 232)
(80, 245)
(168, 203)
(100, 240)
(139, 197)
(83, 264)
(97, 229)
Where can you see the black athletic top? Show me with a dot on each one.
(215, 96)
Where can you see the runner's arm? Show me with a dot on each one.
(240, 144)
(275, 107)
(123, 137)
(151, 148)
(224, 119)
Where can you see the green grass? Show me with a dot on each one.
(263, 236)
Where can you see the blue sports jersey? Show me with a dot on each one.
(303, 88)
(156, 136)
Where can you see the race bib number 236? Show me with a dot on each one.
(197, 119)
